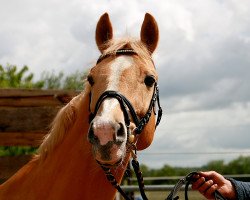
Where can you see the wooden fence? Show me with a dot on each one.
(25, 116)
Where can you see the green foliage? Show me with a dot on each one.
(238, 166)
(52, 80)
(215, 165)
(16, 150)
(73, 81)
(11, 77)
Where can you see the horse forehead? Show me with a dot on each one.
(117, 67)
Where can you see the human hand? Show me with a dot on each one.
(208, 182)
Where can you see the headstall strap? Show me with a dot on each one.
(126, 107)
(118, 52)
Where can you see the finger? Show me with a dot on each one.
(198, 183)
(209, 193)
(213, 175)
(210, 175)
(195, 177)
(205, 186)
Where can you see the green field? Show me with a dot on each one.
(193, 195)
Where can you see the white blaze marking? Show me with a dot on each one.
(117, 67)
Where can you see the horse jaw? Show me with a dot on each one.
(147, 135)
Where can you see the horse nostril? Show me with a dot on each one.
(121, 131)
(91, 136)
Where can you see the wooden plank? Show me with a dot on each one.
(10, 165)
(30, 101)
(35, 92)
(35, 97)
(21, 138)
(27, 119)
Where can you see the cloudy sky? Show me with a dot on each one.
(203, 60)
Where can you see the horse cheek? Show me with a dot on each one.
(147, 135)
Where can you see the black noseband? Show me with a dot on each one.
(127, 106)
(124, 102)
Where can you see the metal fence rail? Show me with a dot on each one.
(133, 188)
(168, 187)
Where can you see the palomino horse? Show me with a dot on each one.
(118, 93)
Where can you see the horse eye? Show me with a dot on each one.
(90, 80)
(149, 81)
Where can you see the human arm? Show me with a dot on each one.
(242, 189)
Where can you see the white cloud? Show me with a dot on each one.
(201, 131)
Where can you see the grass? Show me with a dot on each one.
(193, 195)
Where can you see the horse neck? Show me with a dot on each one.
(69, 172)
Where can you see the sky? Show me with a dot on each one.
(203, 61)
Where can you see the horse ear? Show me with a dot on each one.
(104, 32)
(150, 32)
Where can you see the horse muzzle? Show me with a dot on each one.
(108, 140)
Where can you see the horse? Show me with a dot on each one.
(97, 127)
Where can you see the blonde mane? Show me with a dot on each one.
(61, 124)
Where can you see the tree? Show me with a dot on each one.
(52, 80)
(215, 165)
(73, 81)
(238, 166)
(11, 77)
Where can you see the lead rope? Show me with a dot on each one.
(137, 171)
(113, 182)
(187, 181)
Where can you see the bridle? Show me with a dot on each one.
(128, 110)
(125, 104)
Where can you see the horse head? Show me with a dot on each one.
(123, 92)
